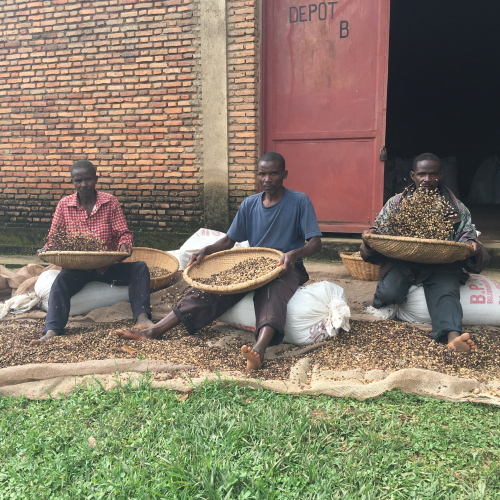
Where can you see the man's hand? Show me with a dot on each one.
(475, 246)
(223, 244)
(125, 248)
(287, 261)
(372, 230)
(197, 257)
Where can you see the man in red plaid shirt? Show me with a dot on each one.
(100, 214)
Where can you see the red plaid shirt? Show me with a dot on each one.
(106, 220)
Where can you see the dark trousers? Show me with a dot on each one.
(135, 275)
(198, 309)
(442, 294)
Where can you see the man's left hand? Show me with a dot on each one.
(125, 248)
(475, 246)
(287, 261)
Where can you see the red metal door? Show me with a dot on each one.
(323, 103)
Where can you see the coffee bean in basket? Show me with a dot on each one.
(76, 241)
(422, 214)
(246, 270)
(157, 272)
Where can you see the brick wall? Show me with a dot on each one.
(114, 81)
(243, 96)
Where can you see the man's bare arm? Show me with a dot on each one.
(223, 244)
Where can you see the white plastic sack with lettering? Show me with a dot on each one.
(201, 239)
(92, 296)
(315, 312)
(480, 299)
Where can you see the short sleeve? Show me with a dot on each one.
(238, 230)
(308, 222)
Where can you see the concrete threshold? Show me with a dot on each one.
(20, 260)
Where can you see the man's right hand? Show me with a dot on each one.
(197, 257)
(372, 230)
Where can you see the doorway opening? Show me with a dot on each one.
(443, 97)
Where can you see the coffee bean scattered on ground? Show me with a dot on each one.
(386, 345)
(246, 270)
(394, 345)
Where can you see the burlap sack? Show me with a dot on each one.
(18, 276)
(28, 286)
(3, 283)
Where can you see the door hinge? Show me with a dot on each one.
(383, 154)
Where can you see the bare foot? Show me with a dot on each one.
(146, 334)
(367, 303)
(48, 335)
(142, 322)
(461, 343)
(253, 358)
(142, 326)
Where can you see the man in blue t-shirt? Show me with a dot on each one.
(276, 218)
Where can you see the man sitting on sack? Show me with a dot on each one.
(100, 214)
(277, 218)
(441, 282)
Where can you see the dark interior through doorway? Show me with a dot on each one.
(444, 87)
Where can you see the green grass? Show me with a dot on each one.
(228, 442)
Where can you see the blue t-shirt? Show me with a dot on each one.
(284, 226)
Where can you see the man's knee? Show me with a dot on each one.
(140, 268)
(391, 291)
(63, 281)
(391, 295)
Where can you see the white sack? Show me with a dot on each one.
(201, 239)
(19, 304)
(315, 312)
(92, 296)
(480, 299)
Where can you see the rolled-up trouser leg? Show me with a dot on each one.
(135, 275)
(67, 283)
(198, 309)
(271, 301)
(392, 289)
(442, 294)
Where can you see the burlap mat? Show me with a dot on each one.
(60, 379)
(53, 380)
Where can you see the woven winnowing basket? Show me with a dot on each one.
(82, 260)
(156, 258)
(418, 250)
(221, 261)
(358, 268)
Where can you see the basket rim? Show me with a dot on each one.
(163, 252)
(350, 256)
(239, 287)
(82, 253)
(407, 239)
